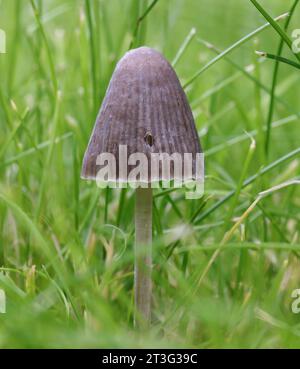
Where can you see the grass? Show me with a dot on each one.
(225, 266)
(275, 75)
(279, 59)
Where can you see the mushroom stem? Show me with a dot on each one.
(143, 256)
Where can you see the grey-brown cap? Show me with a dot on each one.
(146, 109)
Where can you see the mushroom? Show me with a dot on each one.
(145, 114)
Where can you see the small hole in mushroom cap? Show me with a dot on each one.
(149, 139)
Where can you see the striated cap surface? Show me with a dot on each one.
(146, 109)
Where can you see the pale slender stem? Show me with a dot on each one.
(143, 256)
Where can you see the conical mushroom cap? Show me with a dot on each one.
(146, 109)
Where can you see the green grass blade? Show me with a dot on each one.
(278, 59)
(274, 80)
(246, 183)
(276, 27)
(189, 38)
(139, 22)
(239, 186)
(234, 46)
(47, 46)
(93, 72)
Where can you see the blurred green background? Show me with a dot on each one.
(66, 261)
